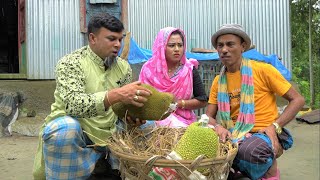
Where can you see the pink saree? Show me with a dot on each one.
(154, 72)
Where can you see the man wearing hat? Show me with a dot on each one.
(243, 98)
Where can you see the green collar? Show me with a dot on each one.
(94, 57)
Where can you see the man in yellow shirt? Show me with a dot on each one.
(88, 82)
(243, 98)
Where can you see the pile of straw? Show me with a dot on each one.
(156, 141)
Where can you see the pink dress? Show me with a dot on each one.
(154, 72)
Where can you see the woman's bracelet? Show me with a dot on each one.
(183, 104)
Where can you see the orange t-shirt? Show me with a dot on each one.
(267, 82)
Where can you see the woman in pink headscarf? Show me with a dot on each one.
(168, 70)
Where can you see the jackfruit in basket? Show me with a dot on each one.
(198, 139)
(158, 107)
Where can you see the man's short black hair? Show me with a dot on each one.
(104, 20)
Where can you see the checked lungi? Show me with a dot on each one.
(65, 150)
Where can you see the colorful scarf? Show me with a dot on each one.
(246, 118)
(154, 72)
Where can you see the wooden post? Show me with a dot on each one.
(83, 23)
(124, 13)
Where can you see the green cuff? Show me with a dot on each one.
(100, 102)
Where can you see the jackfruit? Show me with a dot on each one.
(156, 108)
(198, 140)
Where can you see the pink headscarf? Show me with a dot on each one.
(154, 72)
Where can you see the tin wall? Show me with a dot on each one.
(53, 30)
(266, 21)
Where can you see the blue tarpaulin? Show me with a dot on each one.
(140, 55)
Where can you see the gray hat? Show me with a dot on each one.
(235, 29)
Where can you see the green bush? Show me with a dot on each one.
(300, 48)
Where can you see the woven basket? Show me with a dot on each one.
(137, 158)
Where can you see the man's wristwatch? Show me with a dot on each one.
(278, 128)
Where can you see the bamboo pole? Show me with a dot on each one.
(312, 99)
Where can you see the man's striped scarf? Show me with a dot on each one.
(246, 118)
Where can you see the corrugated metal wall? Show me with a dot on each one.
(266, 21)
(53, 30)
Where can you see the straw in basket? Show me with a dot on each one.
(142, 151)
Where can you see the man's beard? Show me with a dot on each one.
(108, 61)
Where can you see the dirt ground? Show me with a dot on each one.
(17, 152)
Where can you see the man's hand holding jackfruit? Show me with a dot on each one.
(223, 133)
(128, 95)
(157, 106)
(133, 94)
(135, 121)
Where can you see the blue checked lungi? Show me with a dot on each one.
(255, 154)
(65, 150)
